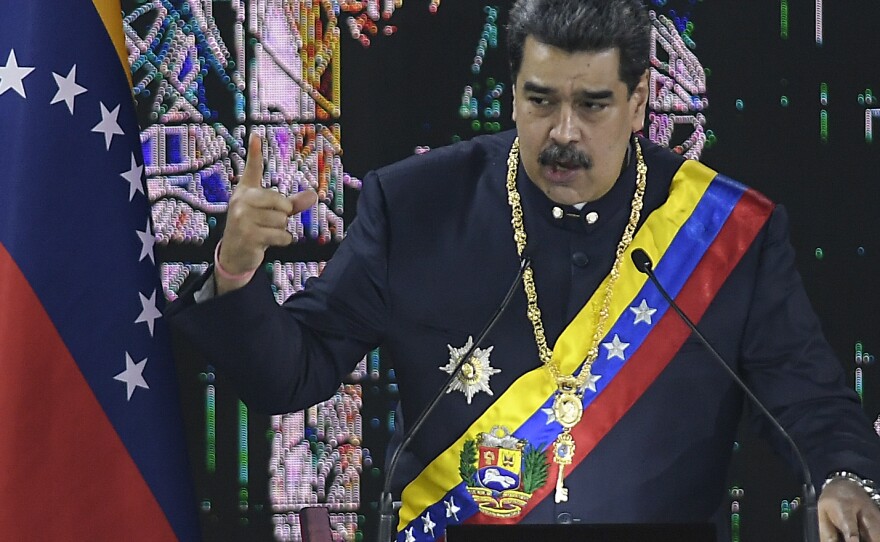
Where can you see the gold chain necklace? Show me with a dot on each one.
(568, 402)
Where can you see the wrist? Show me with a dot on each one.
(223, 273)
(867, 485)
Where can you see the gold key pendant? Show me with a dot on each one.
(563, 452)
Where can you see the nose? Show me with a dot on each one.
(565, 129)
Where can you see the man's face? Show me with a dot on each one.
(574, 117)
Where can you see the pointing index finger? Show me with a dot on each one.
(253, 167)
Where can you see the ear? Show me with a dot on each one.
(639, 102)
(513, 104)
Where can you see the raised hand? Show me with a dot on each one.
(256, 219)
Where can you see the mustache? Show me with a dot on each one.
(567, 155)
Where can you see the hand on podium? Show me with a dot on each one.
(845, 508)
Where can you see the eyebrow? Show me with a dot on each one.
(529, 86)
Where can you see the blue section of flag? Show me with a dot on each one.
(67, 220)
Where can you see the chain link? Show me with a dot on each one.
(534, 312)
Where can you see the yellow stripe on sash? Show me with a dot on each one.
(529, 392)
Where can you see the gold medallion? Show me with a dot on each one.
(568, 409)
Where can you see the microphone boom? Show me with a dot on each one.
(811, 515)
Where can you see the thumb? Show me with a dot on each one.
(302, 201)
(253, 166)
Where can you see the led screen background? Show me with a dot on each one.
(340, 87)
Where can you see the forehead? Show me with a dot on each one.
(557, 69)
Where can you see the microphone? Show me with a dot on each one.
(386, 505)
(811, 512)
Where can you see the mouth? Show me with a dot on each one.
(561, 173)
(565, 165)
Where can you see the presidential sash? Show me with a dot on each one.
(499, 468)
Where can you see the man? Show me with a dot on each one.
(589, 401)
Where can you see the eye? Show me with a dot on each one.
(539, 100)
(594, 106)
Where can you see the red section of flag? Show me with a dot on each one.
(67, 475)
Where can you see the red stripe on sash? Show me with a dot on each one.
(661, 345)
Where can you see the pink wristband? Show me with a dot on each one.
(241, 277)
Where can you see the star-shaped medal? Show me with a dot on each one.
(474, 376)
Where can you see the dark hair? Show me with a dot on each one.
(584, 25)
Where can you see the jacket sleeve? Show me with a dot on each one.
(793, 370)
(289, 357)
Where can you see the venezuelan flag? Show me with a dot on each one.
(92, 443)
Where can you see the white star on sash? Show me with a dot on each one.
(643, 312)
(429, 525)
(551, 417)
(590, 384)
(451, 509)
(409, 535)
(615, 348)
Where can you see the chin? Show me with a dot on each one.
(563, 195)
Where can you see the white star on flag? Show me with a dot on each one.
(12, 76)
(409, 535)
(133, 375)
(67, 89)
(451, 509)
(148, 240)
(133, 176)
(150, 313)
(643, 312)
(615, 348)
(108, 125)
(429, 525)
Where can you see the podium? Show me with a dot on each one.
(582, 532)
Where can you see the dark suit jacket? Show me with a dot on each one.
(430, 257)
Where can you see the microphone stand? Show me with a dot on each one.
(811, 510)
(386, 504)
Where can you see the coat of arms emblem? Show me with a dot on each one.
(501, 472)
